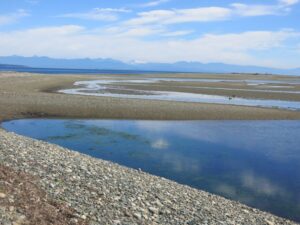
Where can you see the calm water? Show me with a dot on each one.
(254, 162)
(99, 88)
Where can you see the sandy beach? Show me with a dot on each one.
(32, 95)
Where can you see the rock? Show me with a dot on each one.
(69, 170)
(153, 210)
(270, 222)
(137, 215)
(2, 195)
(158, 203)
(117, 222)
(126, 213)
(74, 221)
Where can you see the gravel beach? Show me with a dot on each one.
(101, 192)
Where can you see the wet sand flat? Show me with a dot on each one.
(35, 95)
(223, 88)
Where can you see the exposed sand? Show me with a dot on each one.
(33, 95)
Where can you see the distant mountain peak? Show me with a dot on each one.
(112, 64)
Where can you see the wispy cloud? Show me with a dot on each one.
(255, 10)
(101, 14)
(142, 31)
(289, 2)
(282, 6)
(177, 33)
(208, 14)
(204, 14)
(136, 31)
(77, 41)
(13, 17)
(154, 3)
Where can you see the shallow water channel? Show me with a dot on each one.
(101, 88)
(254, 162)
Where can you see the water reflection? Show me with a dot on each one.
(253, 162)
(261, 185)
(160, 144)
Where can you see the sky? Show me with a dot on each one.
(261, 33)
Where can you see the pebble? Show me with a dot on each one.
(270, 222)
(69, 170)
(2, 195)
(153, 210)
(137, 215)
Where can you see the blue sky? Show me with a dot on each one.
(264, 33)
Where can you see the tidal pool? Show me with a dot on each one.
(100, 88)
(254, 162)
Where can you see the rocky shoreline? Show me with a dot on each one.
(102, 192)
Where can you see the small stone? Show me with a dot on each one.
(246, 211)
(69, 170)
(145, 217)
(270, 222)
(116, 222)
(83, 217)
(20, 220)
(2, 195)
(137, 215)
(126, 213)
(153, 210)
(158, 203)
(167, 211)
(74, 221)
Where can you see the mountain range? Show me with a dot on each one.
(111, 64)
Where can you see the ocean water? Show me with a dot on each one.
(253, 162)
